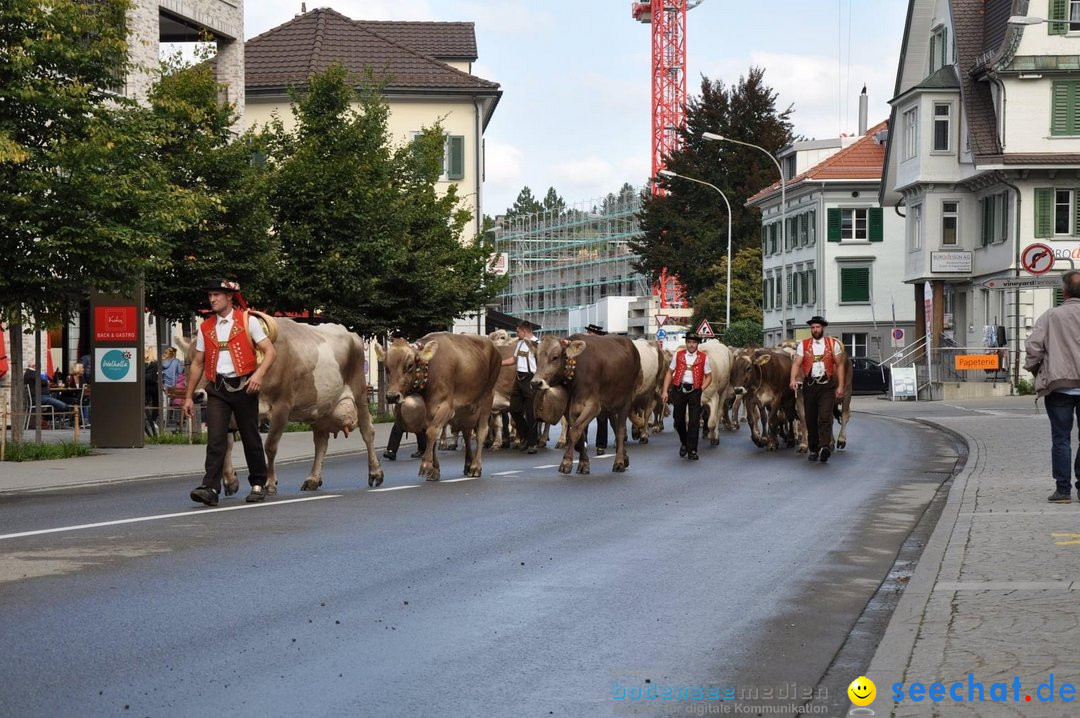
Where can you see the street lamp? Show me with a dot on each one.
(1026, 20)
(783, 222)
(727, 308)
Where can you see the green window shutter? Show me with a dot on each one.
(833, 234)
(877, 225)
(1044, 212)
(456, 166)
(855, 284)
(1058, 15)
(1076, 213)
(1059, 296)
(1063, 108)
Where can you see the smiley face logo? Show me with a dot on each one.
(862, 691)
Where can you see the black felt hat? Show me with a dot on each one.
(693, 337)
(595, 329)
(222, 285)
(817, 320)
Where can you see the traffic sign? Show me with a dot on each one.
(1037, 258)
(661, 319)
(705, 329)
(1001, 284)
(661, 334)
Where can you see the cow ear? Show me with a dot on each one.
(763, 359)
(574, 348)
(380, 353)
(428, 350)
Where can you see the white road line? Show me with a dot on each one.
(454, 481)
(507, 473)
(548, 466)
(184, 514)
(395, 488)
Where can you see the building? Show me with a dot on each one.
(983, 165)
(426, 65)
(842, 255)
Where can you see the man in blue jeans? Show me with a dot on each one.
(1053, 356)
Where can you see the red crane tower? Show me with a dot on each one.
(668, 20)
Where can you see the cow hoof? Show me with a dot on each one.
(271, 489)
(311, 484)
(560, 444)
(582, 468)
(231, 487)
(565, 466)
(429, 473)
(375, 478)
(643, 440)
(803, 449)
(618, 468)
(473, 473)
(841, 444)
(714, 442)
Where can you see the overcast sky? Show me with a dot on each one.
(575, 75)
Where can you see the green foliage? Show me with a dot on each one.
(711, 303)
(744, 333)
(29, 451)
(367, 239)
(1024, 387)
(686, 229)
(524, 205)
(553, 202)
(172, 437)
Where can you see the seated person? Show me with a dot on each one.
(31, 376)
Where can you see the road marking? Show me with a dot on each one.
(1071, 539)
(464, 478)
(549, 466)
(184, 514)
(395, 488)
(507, 473)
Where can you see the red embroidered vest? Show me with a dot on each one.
(829, 358)
(697, 370)
(240, 345)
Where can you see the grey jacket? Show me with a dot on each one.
(1053, 348)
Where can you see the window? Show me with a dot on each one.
(853, 224)
(949, 219)
(765, 294)
(790, 288)
(942, 127)
(1055, 212)
(994, 210)
(811, 230)
(939, 46)
(854, 284)
(804, 290)
(453, 157)
(1065, 17)
(857, 224)
(1065, 107)
(811, 275)
(854, 343)
(911, 133)
(914, 227)
(778, 292)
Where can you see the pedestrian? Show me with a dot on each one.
(1053, 356)
(225, 349)
(522, 395)
(693, 374)
(171, 368)
(603, 417)
(819, 365)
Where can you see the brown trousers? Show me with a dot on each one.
(819, 400)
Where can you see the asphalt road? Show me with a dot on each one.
(525, 592)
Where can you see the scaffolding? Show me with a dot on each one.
(563, 260)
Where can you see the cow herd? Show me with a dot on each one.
(457, 382)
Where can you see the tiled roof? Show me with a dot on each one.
(1033, 158)
(973, 22)
(944, 79)
(441, 40)
(291, 53)
(861, 160)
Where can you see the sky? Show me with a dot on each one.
(576, 80)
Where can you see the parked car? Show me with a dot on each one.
(869, 377)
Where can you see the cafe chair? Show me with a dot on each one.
(31, 411)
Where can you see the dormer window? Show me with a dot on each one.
(939, 46)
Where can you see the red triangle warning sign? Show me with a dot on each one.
(705, 329)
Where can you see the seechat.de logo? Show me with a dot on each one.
(116, 364)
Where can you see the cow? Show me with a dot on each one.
(599, 373)
(647, 389)
(455, 375)
(842, 411)
(763, 379)
(715, 394)
(317, 378)
(500, 407)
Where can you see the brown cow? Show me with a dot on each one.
(599, 373)
(455, 374)
(763, 379)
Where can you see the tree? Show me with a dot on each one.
(711, 303)
(553, 203)
(524, 205)
(685, 230)
(366, 238)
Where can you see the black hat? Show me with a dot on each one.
(222, 285)
(692, 337)
(595, 329)
(817, 320)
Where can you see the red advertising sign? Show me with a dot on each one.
(115, 324)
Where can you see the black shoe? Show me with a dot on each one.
(600, 450)
(1059, 498)
(416, 454)
(204, 495)
(682, 451)
(264, 427)
(812, 456)
(258, 493)
(825, 454)
(692, 456)
(389, 455)
(531, 450)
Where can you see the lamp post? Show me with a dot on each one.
(727, 307)
(1027, 20)
(783, 222)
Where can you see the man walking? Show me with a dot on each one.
(522, 407)
(1053, 356)
(820, 366)
(691, 371)
(225, 349)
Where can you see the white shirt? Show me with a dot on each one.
(817, 347)
(526, 360)
(691, 360)
(224, 328)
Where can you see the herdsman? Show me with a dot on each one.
(225, 350)
(819, 365)
(521, 396)
(691, 374)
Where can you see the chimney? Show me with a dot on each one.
(863, 100)
(303, 8)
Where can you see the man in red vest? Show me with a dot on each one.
(691, 373)
(819, 365)
(225, 350)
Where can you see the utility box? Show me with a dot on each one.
(117, 394)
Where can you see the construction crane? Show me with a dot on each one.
(668, 20)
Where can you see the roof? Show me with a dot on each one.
(441, 40)
(861, 160)
(974, 23)
(288, 55)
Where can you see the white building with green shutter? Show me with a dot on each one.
(984, 159)
(842, 257)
